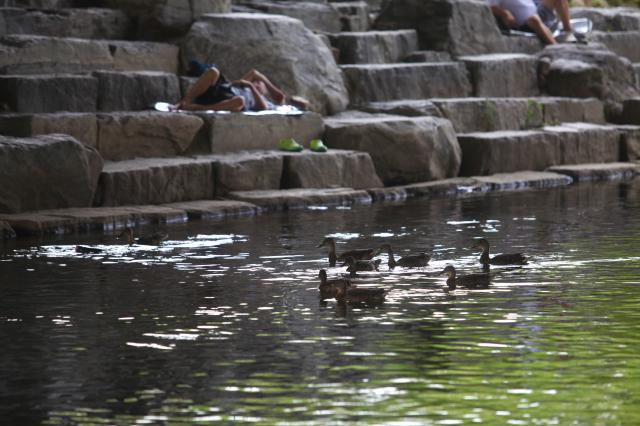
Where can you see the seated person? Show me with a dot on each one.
(525, 15)
(212, 91)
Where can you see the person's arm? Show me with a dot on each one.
(259, 102)
(504, 15)
(276, 94)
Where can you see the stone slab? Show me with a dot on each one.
(37, 4)
(630, 113)
(154, 181)
(392, 193)
(523, 44)
(317, 16)
(48, 93)
(599, 171)
(446, 187)
(246, 171)
(82, 126)
(387, 82)
(354, 15)
(428, 56)
(374, 47)
(524, 179)
(25, 224)
(629, 142)
(129, 135)
(406, 107)
(287, 199)
(235, 132)
(586, 143)
(503, 75)
(216, 209)
(571, 110)
(94, 219)
(144, 56)
(610, 19)
(623, 43)
(135, 90)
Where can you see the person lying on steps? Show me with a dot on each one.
(538, 17)
(212, 91)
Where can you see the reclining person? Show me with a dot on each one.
(540, 18)
(212, 91)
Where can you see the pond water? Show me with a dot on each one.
(222, 322)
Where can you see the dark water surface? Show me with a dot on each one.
(222, 322)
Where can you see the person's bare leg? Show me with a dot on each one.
(274, 92)
(235, 104)
(206, 80)
(562, 11)
(540, 29)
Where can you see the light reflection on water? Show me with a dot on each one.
(222, 322)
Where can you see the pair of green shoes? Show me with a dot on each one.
(291, 145)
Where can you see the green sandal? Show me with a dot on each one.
(316, 145)
(290, 144)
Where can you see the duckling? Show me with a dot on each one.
(499, 259)
(468, 281)
(328, 287)
(88, 250)
(370, 296)
(361, 265)
(416, 260)
(358, 254)
(151, 240)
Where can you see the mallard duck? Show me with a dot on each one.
(345, 293)
(327, 287)
(361, 265)
(416, 260)
(468, 281)
(88, 250)
(150, 240)
(499, 259)
(358, 254)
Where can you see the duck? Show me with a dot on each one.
(88, 250)
(415, 260)
(358, 254)
(345, 293)
(151, 240)
(499, 259)
(467, 281)
(328, 287)
(361, 265)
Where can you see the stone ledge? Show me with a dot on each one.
(287, 199)
(524, 179)
(216, 209)
(599, 171)
(446, 187)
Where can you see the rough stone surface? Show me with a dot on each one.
(461, 27)
(246, 171)
(238, 42)
(374, 47)
(524, 179)
(523, 44)
(354, 15)
(586, 143)
(81, 23)
(82, 126)
(636, 69)
(124, 136)
(507, 151)
(629, 143)
(135, 90)
(505, 74)
(446, 187)
(610, 19)
(599, 171)
(317, 16)
(404, 150)
(25, 224)
(237, 132)
(215, 209)
(407, 107)
(37, 4)
(586, 71)
(623, 43)
(572, 110)
(49, 171)
(144, 56)
(286, 199)
(630, 113)
(48, 93)
(154, 181)
(387, 82)
(428, 56)
(335, 168)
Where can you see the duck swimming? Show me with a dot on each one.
(467, 281)
(361, 265)
(358, 254)
(416, 260)
(370, 296)
(499, 259)
(150, 240)
(328, 288)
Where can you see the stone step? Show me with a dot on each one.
(317, 16)
(636, 69)
(503, 74)
(529, 45)
(100, 91)
(509, 151)
(38, 4)
(610, 19)
(491, 114)
(598, 171)
(623, 43)
(386, 82)
(374, 47)
(354, 15)
(29, 54)
(404, 149)
(170, 180)
(629, 142)
(300, 198)
(630, 113)
(90, 23)
(428, 56)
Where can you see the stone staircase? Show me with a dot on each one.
(416, 117)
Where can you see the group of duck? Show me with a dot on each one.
(345, 291)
